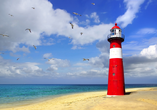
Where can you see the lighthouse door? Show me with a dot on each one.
(115, 85)
(114, 77)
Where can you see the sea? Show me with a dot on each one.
(14, 93)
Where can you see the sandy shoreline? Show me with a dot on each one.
(136, 98)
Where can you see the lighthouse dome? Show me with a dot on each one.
(116, 33)
(115, 27)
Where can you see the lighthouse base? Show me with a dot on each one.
(113, 95)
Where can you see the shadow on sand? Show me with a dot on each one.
(128, 93)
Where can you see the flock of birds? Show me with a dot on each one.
(72, 26)
(25, 29)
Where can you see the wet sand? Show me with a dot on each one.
(135, 98)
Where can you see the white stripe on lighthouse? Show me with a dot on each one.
(115, 53)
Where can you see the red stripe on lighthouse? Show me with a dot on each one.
(115, 44)
(116, 77)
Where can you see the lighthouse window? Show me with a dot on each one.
(112, 31)
(113, 74)
(115, 32)
(113, 46)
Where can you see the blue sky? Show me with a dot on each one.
(55, 39)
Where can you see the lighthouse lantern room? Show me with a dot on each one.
(116, 85)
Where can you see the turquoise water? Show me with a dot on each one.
(23, 92)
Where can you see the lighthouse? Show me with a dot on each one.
(116, 85)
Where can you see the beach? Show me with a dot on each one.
(135, 98)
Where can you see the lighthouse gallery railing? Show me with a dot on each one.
(116, 36)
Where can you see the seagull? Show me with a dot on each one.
(17, 58)
(76, 13)
(72, 25)
(85, 59)
(29, 30)
(4, 35)
(81, 33)
(69, 37)
(34, 47)
(10, 15)
(33, 7)
(93, 3)
(49, 59)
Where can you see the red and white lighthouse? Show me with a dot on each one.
(116, 85)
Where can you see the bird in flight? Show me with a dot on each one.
(49, 59)
(34, 47)
(76, 13)
(17, 58)
(85, 59)
(69, 37)
(81, 33)
(33, 7)
(93, 3)
(72, 25)
(4, 35)
(29, 30)
(10, 15)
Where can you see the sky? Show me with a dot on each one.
(59, 53)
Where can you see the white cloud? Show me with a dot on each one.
(76, 47)
(147, 31)
(24, 49)
(87, 16)
(47, 55)
(133, 7)
(150, 52)
(13, 54)
(140, 66)
(82, 64)
(95, 17)
(52, 68)
(148, 3)
(151, 41)
(90, 34)
(57, 63)
(85, 22)
(27, 69)
(101, 62)
(89, 73)
(48, 41)
(93, 73)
